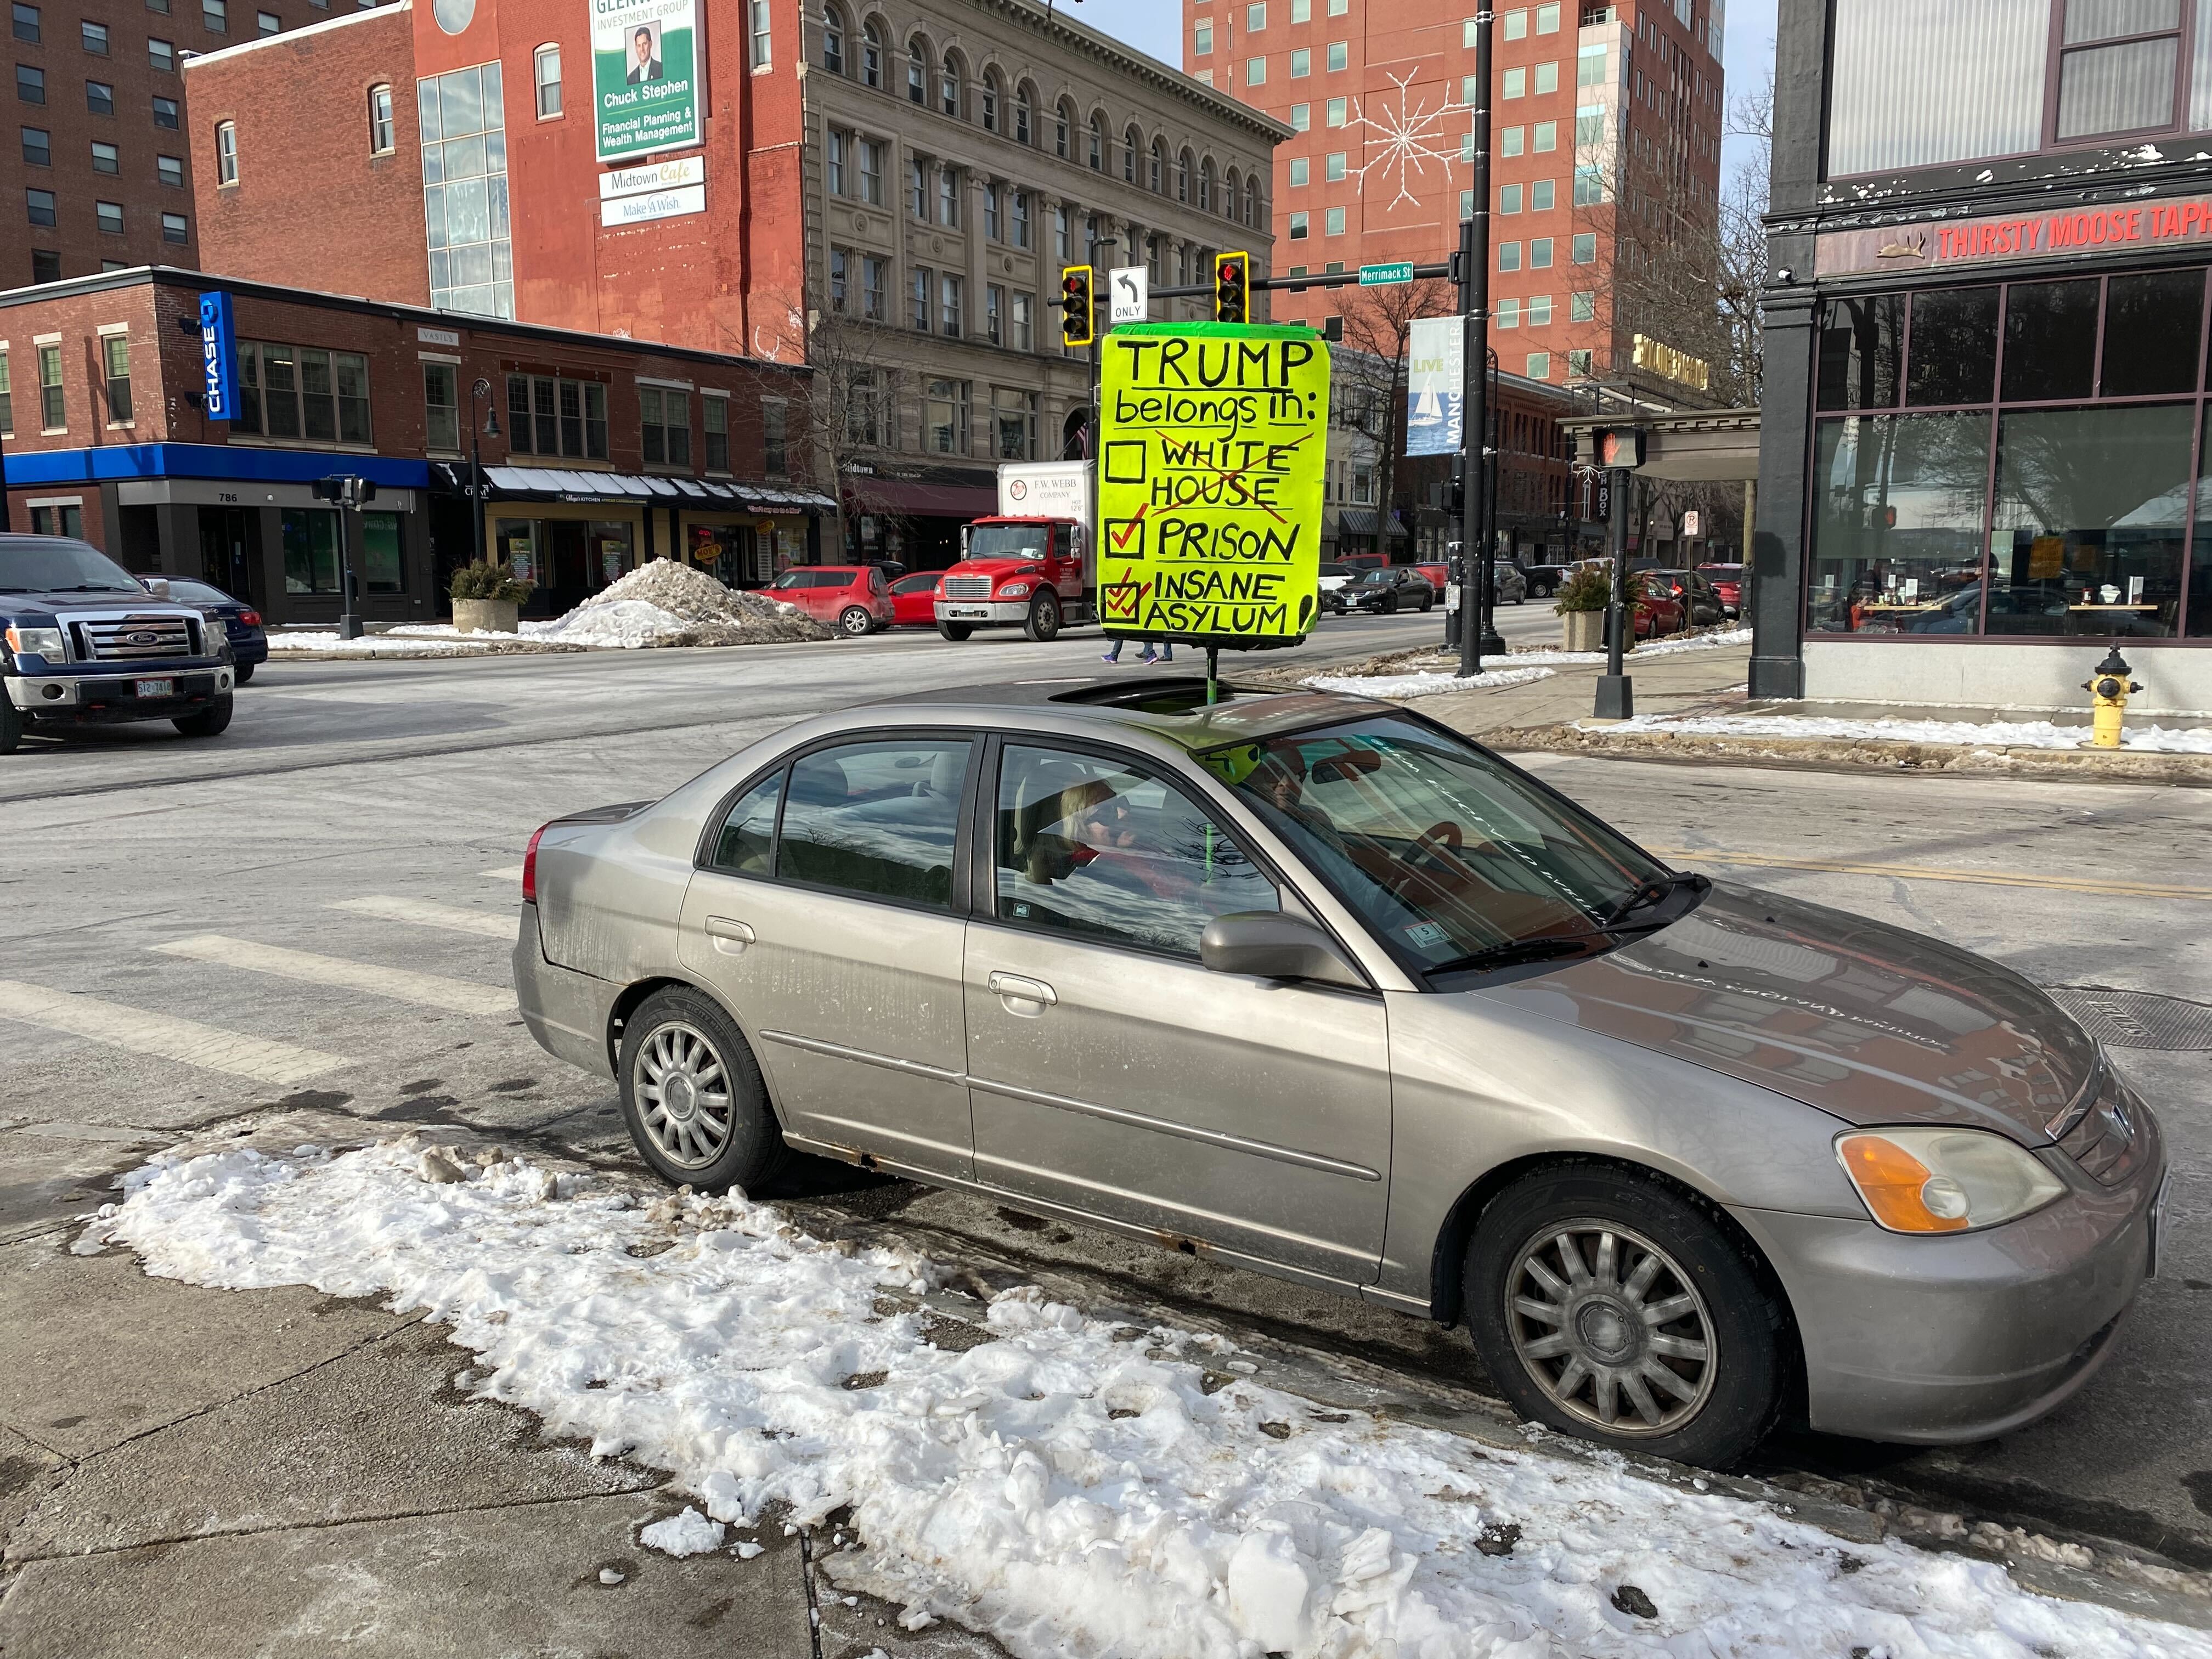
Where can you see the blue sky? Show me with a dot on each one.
(1156, 27)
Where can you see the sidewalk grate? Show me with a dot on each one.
(2137, 1019)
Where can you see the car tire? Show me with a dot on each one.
(956, 631)
(210, 722)
(1390, 607)
(854, 623)
(682, 1033)
(244, 671)
(1728, 1343)
(1043, 622)
(12, 723)
(1428, 603)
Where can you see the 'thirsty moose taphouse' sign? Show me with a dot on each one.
(1211, 443)
(2146, 225)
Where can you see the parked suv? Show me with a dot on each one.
(86, 644)
(852, 598)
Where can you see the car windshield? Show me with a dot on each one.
(1445, 852)
(55, 564)
(193, 593)
(1378, 577)
(1009, 541)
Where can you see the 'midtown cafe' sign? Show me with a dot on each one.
(2144, 225)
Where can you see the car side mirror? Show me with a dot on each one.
(1266, 945)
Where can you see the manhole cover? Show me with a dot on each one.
(2137, 1019)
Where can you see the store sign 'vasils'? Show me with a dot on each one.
(645, 76)
(1213, 437)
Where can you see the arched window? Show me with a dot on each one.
(225, 153)
(833, 40)
(917, 70)
(379, 110)
(1063, 128)
(1252, 202)
(1132, 146)
(545, 72)
(871, 55)
(1098, 141)
(993, 100)
(1231, 189)
(1182, 178)
(1157, 179)
(1205, 185)
(952, 84)
(1024, 112)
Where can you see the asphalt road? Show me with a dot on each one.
(324, 896)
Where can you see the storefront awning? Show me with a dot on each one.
(920, 499)
(567, 484)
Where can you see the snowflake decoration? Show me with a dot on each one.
(1404, 143)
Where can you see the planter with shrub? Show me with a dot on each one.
(1580, 603)
(488, 599)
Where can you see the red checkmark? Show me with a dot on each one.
(1120, 537)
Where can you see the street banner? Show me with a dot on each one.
(645, 80)
(1435, 385)
(218, 356)
(1212, 438)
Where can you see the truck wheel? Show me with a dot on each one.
(208, 722)
(956, 631)
(1044, 617)
(244, 671)
(12, 722)
(855, 622)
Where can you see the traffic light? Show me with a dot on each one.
(1078, 317)
(1233, 289)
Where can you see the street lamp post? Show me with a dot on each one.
(1474, 378)
(476, 429)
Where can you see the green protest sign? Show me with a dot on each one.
(1213, 437)
(645, 76)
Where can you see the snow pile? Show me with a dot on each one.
(427, 640)
(1398, 687)
(1072, 1487)
(687, 1534)
(624, 624)
(706, 613)
(1731, 636)
(1981, 734)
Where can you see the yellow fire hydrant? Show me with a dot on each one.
(2109, 704)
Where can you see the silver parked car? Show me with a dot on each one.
(1312, 984)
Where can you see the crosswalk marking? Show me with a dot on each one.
(171, 1038)
(422, 912)
(512, 873)
(400, 984)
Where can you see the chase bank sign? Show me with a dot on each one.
(218, 355)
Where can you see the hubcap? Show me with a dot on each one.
(682, 1095)
(1610, 1327)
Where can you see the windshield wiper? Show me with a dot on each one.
(1654, 891)
(1542, 949)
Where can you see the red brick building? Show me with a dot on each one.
(1604, 160)
(607, 452)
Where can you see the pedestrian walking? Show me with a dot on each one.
(1165, 653)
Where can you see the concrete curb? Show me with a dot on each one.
(1837, 754)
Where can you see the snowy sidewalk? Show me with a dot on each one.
(1075, 1486)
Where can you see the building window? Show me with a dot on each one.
(165, 113)
(1025, 104)
(994, 226)
(1335, 115)
(1585, 248)
(917, 188)
(1546, 137)
(1302, 117)
(303, 392)
(1255, 71)
(225, 153)
(1540, 365)
(994, 306)
(311, 550)
(39, 147)
(1097, 144)
(1546, 79)
(1256, 16)
(1581, 307)
(1021, 215)
(215, 17)
(465, 201)
(776, 422)
(875, 287)
(45, 265)
(1539, 253)
(1201, 44)
(552, 416)
(545, 70)
(52, 414)
(917, 71)
(989, 100)
(23, 22)
(1301, 172)
(1299, 230)
(108, 215)
(1339, 55)
(664, 420)
(715, 423)
(1333, 222)
(30, 84)
(1301, 63)
(1061, 230)
(268, 22)
(945, 418)
(863, 407)
(106, 158)
(920, 283)
(1508, 256)
(948, 87)
(1540, 310)
(115, 358)
(1025, 337)
(1508, 198)
(871, 56)
(442, 411)
(834, 150)
(839, 258)
(1063, 124)
(948, 195)
(870, 157)
(1509, 314)
(1547, 19)
(58, 519)
(763, 56)
(380, 131)
(1517, 28)
(6, 400)
(175, 227)
(833, 40)
(1542, 196)
(1578, 362)
(1014, 423)
(94, 36)
(1302, 11)
(99, 97)
(952, 312)
(162, 56)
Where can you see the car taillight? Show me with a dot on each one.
(250, 618)
(529, 865)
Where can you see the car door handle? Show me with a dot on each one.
(730, 936)
(1013, 988)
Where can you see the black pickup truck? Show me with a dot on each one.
(86, 644)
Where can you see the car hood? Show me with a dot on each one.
(1868, 1023)
(136, 600)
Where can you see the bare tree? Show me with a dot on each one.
(1379, 323)
(1742, 255)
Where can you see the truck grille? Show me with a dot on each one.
(125, 638)
(966, 587)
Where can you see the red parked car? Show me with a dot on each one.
(852, 598)
(1728, 582)
(1657, 610)
(913, 599)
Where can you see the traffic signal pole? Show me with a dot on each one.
(1475, 370)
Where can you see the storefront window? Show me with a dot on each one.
(2152, 323)
(2091, 512)
(1862, 346)
(311, 551)
(516, 542)
(2051, 341)
(381, 570)
(1955, 360)
(1897, 524)
(612, 551)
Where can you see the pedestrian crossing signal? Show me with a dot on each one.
(1233, 289)
(1078, 314)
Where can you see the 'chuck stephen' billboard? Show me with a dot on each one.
(645, 76)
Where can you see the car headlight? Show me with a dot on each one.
(1944, 1181)
(1014, 591)
(37, 641)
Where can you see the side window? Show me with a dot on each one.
(1110, 851)
(747, 838)
(879, 819)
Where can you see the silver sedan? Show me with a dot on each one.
(1314, 985)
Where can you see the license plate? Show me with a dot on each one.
(959, 610)
(157, 688)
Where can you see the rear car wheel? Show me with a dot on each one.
(210, 720)
(245, 671)
(955, 631)
(1608, 1306)
(692, 1095)
(855, 621)
(1044, 617)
